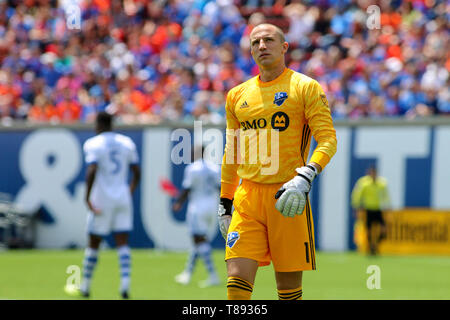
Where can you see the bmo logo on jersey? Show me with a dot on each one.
(280, 121)
(260, 123)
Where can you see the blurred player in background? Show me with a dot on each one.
(201, 185)
(370, 197)
(109, 156)
(272, 220)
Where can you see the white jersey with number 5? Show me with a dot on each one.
(113, 153)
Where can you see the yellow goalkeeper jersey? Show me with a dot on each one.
(269, 128)
(369, 194)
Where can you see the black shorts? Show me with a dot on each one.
(374, 216)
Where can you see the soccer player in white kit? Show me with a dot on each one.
(109, 156)
(201, 184)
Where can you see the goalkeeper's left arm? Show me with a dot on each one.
(292, 196)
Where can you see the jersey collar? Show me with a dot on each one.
(269, 83)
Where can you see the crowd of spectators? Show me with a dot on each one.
(174, 60)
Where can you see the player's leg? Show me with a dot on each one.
(97, 227)
(289, 285)
(371, 238)
(203, 224)
(204, 250)
(89, 263)
(383, 228)
(292, 248)
(245, 239)
(247, 245)
(241, 277)
(122, 225)
(376, 233)
(380, 229)
(185, 276)
(124, 252)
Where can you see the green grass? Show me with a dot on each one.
(41, 274)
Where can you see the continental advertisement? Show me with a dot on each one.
(409, 231)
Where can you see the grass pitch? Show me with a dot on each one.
(42, 274)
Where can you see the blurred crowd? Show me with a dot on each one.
(174, 60)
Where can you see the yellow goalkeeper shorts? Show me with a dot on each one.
(260, 232)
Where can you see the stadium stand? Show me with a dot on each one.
(174, 60)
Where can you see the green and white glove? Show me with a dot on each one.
(293, 194)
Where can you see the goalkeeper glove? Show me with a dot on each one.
(293, 194)
(224, 214)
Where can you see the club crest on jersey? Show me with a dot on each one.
(232, 238)
(280, 97)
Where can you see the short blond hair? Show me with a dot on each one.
(278, 30)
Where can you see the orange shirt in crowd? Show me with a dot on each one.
(43, 113)
(142, 101)
(393, 19)
(68, 111)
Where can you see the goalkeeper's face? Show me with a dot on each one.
(268, 46)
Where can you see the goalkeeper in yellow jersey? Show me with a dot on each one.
(370, 196)
(270, 121)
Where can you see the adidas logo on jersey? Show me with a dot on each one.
(244, 105)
